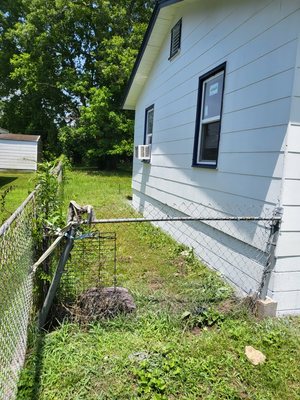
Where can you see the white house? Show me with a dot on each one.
(19, 152)
(216, 94)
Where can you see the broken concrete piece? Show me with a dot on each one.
(256, 357)
(266, 308)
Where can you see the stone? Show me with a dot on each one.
(256, 357)
(266, 308)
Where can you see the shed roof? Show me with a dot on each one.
(158, 28)
(19, 137)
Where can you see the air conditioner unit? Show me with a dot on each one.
(142, 152)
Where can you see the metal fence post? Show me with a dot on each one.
(271, 260)
(57, 277)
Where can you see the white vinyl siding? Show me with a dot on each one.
(258, 41)
(18, 155)
(286, 280)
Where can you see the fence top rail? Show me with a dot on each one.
(15, 215)
(126, 220)
(5, 226)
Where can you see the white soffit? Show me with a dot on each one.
(160, 30)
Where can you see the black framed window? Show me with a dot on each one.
(175, 39)
(149, 117)
(208, 120)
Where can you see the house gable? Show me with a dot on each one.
(159, 26)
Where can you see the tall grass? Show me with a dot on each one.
(14, 188)
(186, 340)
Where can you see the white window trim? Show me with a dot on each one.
(149, 136)
(206, 121)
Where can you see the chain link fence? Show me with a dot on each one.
(16, 292)
(236, 244)
(239, 245)
(18, 252)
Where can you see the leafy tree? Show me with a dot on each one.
(64, 67)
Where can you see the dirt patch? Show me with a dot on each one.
(156, 284)
(227, 306)
(196, 331)
(181, 266)
(102, 303)
(125, 259)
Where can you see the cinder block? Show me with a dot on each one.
(266, 308)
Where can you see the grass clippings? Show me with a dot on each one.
(98, 303)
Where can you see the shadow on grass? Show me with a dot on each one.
(30, 381)
(5, 180)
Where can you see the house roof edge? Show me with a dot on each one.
(20, 137)
(158, 6)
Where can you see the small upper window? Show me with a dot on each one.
(208, 123)
(175, 39)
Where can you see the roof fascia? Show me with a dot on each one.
(158, 6)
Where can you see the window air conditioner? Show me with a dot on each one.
(142, 152)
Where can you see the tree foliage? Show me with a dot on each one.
(64, 65)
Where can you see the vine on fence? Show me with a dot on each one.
(49, 215)
(49, 200)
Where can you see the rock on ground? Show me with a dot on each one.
(256, 357)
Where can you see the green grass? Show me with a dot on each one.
(17, 185)
(165, 350)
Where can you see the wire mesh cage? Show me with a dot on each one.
(92, 264)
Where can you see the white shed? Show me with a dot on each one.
(216, 94)
(20, 152)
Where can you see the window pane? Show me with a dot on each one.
(149, 125)
(150, 121)
(210, 138)
(212, 101)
